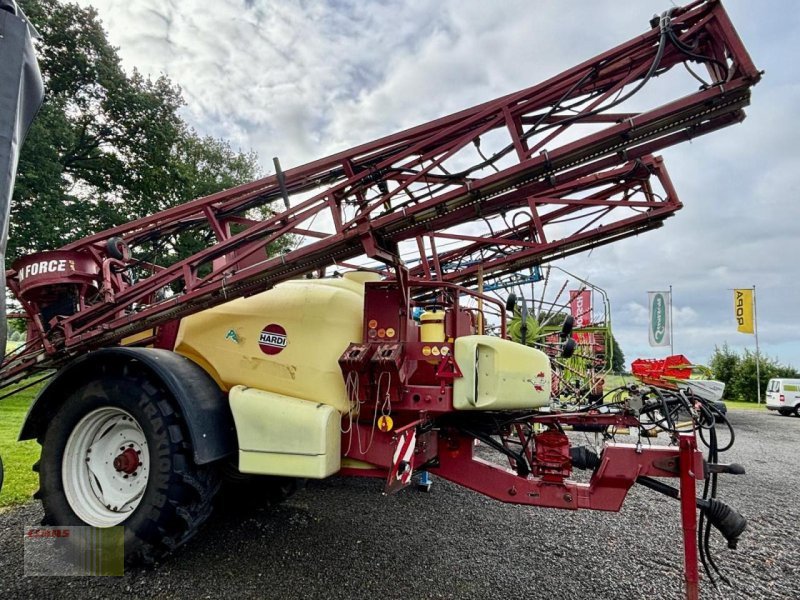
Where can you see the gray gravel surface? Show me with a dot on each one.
(340, 538)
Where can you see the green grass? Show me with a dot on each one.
(736, 405)
(18, 457)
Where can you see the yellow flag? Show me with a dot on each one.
(743, 310)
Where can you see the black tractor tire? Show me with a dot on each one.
(178, 495)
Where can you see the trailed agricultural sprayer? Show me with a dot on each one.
(296, 363)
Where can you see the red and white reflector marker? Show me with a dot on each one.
(402, 469)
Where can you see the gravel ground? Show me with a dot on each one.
(340, 538)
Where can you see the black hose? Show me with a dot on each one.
(662, 43)
(522, 466)
(718, 417)
(667, 423)
(689, 51)
(702, 542)
(716, 512)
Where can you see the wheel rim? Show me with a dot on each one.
(105, 467)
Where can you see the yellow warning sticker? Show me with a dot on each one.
(435, 351)
(385, 423)
(426, 351)
(390, 332)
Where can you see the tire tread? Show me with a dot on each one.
(184, 502)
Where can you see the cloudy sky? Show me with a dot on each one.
(304, 79)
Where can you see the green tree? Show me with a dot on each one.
(107, 147)
(743, 384)
(617, 357)
(738, 372)
(17, 325)
(724, 364)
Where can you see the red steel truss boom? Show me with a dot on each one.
(560, 221)
(533, 144)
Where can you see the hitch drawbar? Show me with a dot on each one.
(729, 522)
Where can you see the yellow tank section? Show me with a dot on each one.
(280, 435)
(432, 326)
(499, 375)
(287, 340)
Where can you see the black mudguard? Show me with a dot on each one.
(203, 405)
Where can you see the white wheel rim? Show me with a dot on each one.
(105, 467)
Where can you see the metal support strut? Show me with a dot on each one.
(688, 446)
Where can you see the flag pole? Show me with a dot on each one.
(671, 341)
(758, 353)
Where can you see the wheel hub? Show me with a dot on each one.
(106, 466)
(127, 461)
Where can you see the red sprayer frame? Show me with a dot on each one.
(366, 200)
(451, 455)
(403, 421)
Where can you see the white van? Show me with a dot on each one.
(783, 395)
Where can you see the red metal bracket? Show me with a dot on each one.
(447, 371)
(689, 474)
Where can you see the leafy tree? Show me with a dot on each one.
(107, 147)
(617, 358)
(724, 363)
(17, 326)
(738, 372)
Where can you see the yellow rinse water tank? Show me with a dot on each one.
(287, 340)
(432, 326)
